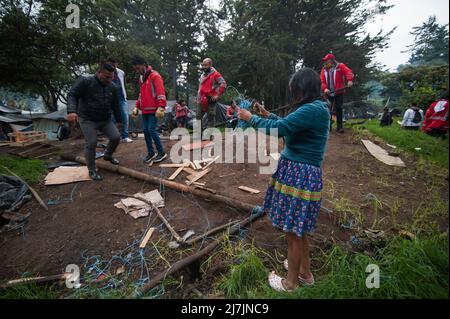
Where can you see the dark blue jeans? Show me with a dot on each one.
(149, 122)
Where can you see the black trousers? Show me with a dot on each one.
(336, 109)
(89, 129)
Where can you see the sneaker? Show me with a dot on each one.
(127, 140)
(150, 158)
(161, 157)
(95, 176)
(341, 131)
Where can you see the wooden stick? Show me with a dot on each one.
(147, 238)
(211, 162)
(158, 212)
(249, 190)
(173, 165)
(194, 178)
(210, 232)
(191, 259)
(34, 280)
(177, 172)
(35, 194)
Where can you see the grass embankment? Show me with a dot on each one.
(30, 170)
(432, 149)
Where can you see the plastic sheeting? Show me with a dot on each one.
(12, 193)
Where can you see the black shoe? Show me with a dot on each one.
(341, 131)
(112, 160)
(95, 176)
(161, 157)
(149, 158)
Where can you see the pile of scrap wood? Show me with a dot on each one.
(195, 170)
(37, 150)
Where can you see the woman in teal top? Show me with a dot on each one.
(294, 196)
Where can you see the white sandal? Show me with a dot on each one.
(307, 282)
(276, 282)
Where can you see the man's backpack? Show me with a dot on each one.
(417, 117)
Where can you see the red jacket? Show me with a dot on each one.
(211, 84)
(153, 94)
(338, 76)
(436, 117)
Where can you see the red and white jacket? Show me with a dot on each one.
(211, 84)
(153, 94)
(338, 75)
(436, 117)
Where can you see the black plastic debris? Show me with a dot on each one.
(13, 193)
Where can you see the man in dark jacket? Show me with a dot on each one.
(92, 101)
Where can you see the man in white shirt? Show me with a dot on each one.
(413, 118)
(119, 81)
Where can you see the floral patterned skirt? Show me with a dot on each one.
(294, 197)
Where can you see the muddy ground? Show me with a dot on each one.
(90, 225)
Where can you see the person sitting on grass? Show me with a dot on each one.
(413, 118)
(293, 199)
(386, 118)
(436, 118)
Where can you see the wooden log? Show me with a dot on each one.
(191, 259)
(35, 194)
(239, 205)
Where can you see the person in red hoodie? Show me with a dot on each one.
(436, 119)
(212, 86)
(152, 101)
(334, 77)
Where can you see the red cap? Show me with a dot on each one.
(329, 57)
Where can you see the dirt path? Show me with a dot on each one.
(90, 225)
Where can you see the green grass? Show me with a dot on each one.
(31, 291)
(433, 149)
(409, 269)
(30, 170)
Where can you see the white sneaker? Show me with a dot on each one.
(127, 140)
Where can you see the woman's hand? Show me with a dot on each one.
(262, 110)
(245, 115)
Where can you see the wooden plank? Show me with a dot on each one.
(190, 171)
(249, 190)
(197, 145)
(194, 178)
(382, 155)
(177, 172)
(172, 165)
(211, 162)
(197, 165)
(147, 238)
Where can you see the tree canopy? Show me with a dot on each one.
(257, 45)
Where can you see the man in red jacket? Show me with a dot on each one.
(436, 118)
(334, 77)
(212, 86)
(151, 99)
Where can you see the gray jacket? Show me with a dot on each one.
(94, 101)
